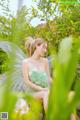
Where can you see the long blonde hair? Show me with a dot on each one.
(30, 44)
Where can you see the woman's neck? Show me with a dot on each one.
(35, 56)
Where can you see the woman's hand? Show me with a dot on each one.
(45, 89)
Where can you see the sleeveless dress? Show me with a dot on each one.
(39, 78)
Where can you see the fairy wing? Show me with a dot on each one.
(16, 76)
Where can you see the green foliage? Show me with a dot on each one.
(4, 8)
(9, 99)
(33, 112)
(64, 20)
(46, 9)
(61, 101)
(3, 61)
(15, 29)
(68, 23)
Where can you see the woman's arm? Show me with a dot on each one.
(25, 72)
(47, 70)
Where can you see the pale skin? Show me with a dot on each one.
(41, 64)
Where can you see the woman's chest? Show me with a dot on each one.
(40, 66)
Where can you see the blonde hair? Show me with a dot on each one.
(31, 43)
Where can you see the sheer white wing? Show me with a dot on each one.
(16, 77)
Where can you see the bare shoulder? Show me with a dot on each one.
(45, 60)
(25, 62)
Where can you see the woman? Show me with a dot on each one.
(36, 69)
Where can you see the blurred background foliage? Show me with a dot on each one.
(3, 62)
(64, 100)
(61, 20)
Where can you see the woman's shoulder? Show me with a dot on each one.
(45, 59)
(26, 61)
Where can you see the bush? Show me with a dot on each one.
(3, 62)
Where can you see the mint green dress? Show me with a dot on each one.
(39, 78)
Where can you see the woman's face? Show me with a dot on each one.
(42, 49)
